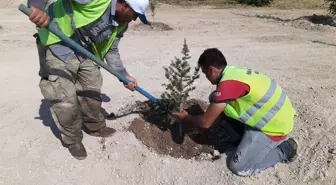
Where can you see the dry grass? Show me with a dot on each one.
(308, 4)
(281, 4)
(198, 2)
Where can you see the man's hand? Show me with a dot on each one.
(180, 115)
(204, 120)
(132, 84)
(39, 17)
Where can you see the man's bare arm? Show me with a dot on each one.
(207, 119)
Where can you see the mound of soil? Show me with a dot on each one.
(154, 26)
(177, 139)
(313, 22)
(321, 19)
(163, 143)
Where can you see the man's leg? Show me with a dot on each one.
(89, 86)
(257, 152)
(225, 134)
(57, 86)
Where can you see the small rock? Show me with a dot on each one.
(101, 141)
(311, 88)
(325, 173)
(103, 147)
(216, 153)
(332, 150)
(111, 115)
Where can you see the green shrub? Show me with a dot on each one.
(331, 7)
(255, 2)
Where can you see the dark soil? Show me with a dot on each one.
(162, 141)
(315, 19)
(179, 140)
(154, 26)
(321, 19)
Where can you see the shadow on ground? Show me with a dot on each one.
(315, 19)
(320, 42)
(47, 120)
(153, 26)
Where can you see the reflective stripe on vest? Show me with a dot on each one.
(266, 107)
(270, 114)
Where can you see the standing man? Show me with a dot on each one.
(71, 82)
(255, 100)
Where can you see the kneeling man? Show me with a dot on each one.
(256, 101)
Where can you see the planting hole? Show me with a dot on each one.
(177, 139)
(154, 26)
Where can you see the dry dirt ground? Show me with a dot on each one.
(298, 55)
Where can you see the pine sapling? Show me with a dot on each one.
(153, 5)
(177, 89)
(180, 80)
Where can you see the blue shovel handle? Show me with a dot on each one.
(79, 48)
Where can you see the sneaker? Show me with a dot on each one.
(289, 148)
(103, 132)
(77, 150)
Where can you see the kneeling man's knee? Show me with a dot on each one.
(239, 168)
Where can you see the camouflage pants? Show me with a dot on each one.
(73, 90)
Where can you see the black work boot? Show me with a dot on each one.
(289, 148)
(103, 132)
(77, 150)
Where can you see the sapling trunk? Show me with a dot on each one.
(152, 5)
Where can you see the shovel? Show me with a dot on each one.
(79, 48)
(88, 54)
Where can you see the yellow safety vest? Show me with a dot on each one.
(68, 16)
(266, 107)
